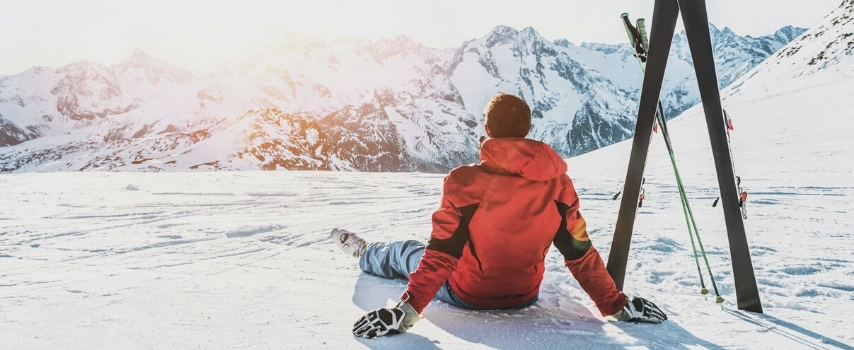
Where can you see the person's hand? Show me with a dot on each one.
(640, 310)
(385, 320)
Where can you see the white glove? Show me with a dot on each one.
(640, 310)
(385, 320)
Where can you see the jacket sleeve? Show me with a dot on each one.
(571, 237)
(447, 240)
(582, 259)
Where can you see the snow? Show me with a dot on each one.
(241, 260)
(468, 77)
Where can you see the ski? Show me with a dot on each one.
(663, 27)
(696, 21)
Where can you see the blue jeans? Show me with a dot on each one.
(399, 259)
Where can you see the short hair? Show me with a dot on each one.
(507, 116)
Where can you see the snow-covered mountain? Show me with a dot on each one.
(301, 103)
(824, 50)
(734, 56)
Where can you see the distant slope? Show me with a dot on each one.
(792, 120)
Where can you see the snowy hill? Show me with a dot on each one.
(241, 260)
(790, 113)
(734, 56)
(405, 107)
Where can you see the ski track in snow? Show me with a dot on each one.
(242, 260)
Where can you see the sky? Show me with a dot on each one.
(203, 34)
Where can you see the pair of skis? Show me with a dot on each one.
(695, 18)
(638, 39)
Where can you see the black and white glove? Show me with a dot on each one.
(385, 320)
(640, 310)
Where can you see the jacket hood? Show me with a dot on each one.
(528, 158)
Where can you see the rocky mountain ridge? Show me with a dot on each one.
(301, 103)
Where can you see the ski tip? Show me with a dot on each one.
(704, 291)
(719, 300)
(625, 14)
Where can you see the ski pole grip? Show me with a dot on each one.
(643, 36)
(634, 37)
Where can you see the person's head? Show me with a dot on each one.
(507, 116)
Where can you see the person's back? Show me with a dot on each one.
(510, 201)
(491, 234)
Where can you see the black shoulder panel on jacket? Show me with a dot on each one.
(454, 245)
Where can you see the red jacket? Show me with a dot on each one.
(495, 225)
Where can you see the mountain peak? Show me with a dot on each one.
(504, 30)
(789, 33)
(138, 53)
(531, 34)
(563, 43)
(713, 28)
(142, 60)
(83, 65)
(401, 42)
(724, 31)
(401, 45)
(530, 31)
(501, 35)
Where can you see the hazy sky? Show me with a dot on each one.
(202, 34)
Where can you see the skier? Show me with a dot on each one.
(495, 224)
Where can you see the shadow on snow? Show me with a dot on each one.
(549, 324)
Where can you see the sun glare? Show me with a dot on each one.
(193, 34)
(202, 34)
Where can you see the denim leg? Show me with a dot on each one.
(393, 259)
(447, 295)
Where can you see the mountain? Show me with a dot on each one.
(734, 56)
(575, 108)
(825, 49)
(303, 103)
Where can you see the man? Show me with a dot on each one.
(491, 234)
